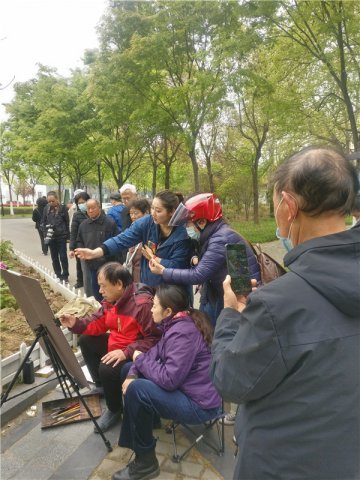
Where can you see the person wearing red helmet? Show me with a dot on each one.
(206, 219)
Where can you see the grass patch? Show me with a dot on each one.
(261, 233)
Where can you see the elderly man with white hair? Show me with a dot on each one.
(128, 193)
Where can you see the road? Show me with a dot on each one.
(24, 237)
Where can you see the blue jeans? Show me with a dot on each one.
(145, 400)
(59, 257)
(212, 310)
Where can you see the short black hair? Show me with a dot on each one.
(322, 177)
(141, 204)
(115, 272)
(83, 195)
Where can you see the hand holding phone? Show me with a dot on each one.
(238, 268)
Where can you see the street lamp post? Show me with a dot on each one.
(100, 187)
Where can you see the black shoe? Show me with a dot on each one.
(78, 285)
(64, 277)
(143, 467)
(107, 420)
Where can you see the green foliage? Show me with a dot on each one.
(262, 232)
(18, 211)
(6, 257)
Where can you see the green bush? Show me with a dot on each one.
(21, 211)
(6, 257)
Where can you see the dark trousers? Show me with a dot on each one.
(59, 257)
(94, 285)
(79, 272)
(143, 401)
(212, 310)
(107, 376)
(44, 247)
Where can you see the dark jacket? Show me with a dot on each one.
(211, 269)
(38, 212)
(129, 321)
(115, 213)
(92, 233)
(77, 220)
(180, 361)
(174, 251)
(292, 360)
(58, 218)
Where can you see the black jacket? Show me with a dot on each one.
(77, 220)
(92, 233)
(59, 219)
(292, 360)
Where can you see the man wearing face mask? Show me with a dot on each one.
(207, 224)
(289, 354)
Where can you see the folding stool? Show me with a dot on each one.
(217, 421)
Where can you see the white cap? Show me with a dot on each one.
(79, 190)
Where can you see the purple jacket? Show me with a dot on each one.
(180, 361)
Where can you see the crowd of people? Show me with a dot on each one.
(287, 356)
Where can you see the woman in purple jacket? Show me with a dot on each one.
(170, 380)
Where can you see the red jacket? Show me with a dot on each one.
(129, 320)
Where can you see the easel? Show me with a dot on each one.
(50, 336)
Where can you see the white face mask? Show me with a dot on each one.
(82, 207)
(285, 241)
(194, 234)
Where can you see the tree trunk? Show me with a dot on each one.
(154, 173)
(195, 167)
(210, 174)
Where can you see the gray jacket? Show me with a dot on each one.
(292, 360)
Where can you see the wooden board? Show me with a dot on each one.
(65, 411)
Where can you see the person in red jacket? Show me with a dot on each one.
(126, 314)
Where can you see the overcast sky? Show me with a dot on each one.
(51, 32)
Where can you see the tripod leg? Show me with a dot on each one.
(5, 395)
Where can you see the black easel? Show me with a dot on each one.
(62, 375)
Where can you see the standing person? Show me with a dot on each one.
(138, 208)
(91, 234)
(115, 210)
(170, 380)
(37, 218)
(290, 353)
(128, 193)
(355, 211)
(73, 207)
(83, 279)
(109, 338)
(207, 221)
(55, 223)
(167, 245)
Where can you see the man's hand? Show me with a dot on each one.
(126, 383)
(71, 254)
(67, 320)
(237, 302)
(156, 267)
(115, 357)
(88, 254)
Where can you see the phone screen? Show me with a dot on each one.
(238, 268)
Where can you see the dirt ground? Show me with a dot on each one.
(14, 329)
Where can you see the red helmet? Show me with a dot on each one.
(204, 205)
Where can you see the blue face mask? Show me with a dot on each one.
(82, 207)
(285, 241)
(194, 234)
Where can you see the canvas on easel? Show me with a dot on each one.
(32, 301)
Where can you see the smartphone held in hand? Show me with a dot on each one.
(238, 268)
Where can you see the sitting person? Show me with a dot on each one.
(170, 380)
(126, 312)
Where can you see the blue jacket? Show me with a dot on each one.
(180, 361)
(211, 269)
(115, 213)
(174, 252)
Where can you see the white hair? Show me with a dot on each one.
(128, 186)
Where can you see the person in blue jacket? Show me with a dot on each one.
(163, 244)
(115, 210)
(207, 218)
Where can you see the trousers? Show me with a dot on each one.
(59, 257)
(145, 400)
(109, 377)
